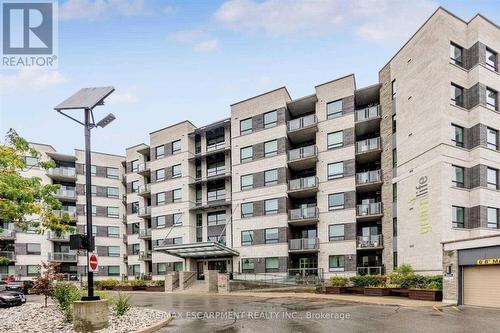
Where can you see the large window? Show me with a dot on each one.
(247, 237)
(458, 136)
(161, 268)
(335, 170)
(136, 270)
(270, 206)
(271, 236)
(272, 265)
(113, 270)
(134, 207)
(135, 186)
(457, 217)
(113, 251)
(492, 138)
(160, 175)
(335, 139)
(246, 126)
(177, 195)
(336, 232)
(176, 171)
(176, 147)
(458, 176)
(491, 99)
(491, 59)
(114, 232)
(177, 217)
(33, 248)
(216, 218)
(457, 95)
(493, 218)
(457, 54)
(31, 161)
(246, 154)
(246, 182)
(247, 209)
(271, 177)
(334, 109)
(492, 178)
(161, 198)
(178, 266)
(270, 119)
(113, 212)
(112, 173)
(160, 151)
(336, 263)
(33, 270)
(136, 248)
(271, 148)
(112, 192)
(177, 240)
(161, 221)
(247, 265)
(336, 201)
(134, 165)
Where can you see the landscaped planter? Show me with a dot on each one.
(401, 292)
(123, 288)
(335, 290)
(355, 290)
(377, 291)
(139, 287)
(425, 294)
(155, 288)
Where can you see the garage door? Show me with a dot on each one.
(482, 286)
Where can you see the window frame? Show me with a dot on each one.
(492, 132)
(332, 113)
(393, 89)
(113, 254)
(163, 196)
(176, 198)
(174, 167)
(337, 144)
(29, 268)
(159, 152)
(271, 240)
(247, 215)
(495, 62)
(273, 211)
(113, 235)
(272, 181)
(33, 252)
(177, 219)
(493, 106)
(112, 175)
(336, 207)
(492, 185)
(110, 209)
(337, 237)
(249, 233)
(272, 152)
(454, 100)
(454, 139)
(336, 175)
(248, 186)
(271, 269)
(454, 179)
(340, 264)
(455, 223)
(246, 159)
(496, 223)
(244, 268)
(273, 122)
(453, 58)
(247, 130)
(176, 150)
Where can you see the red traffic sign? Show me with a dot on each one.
(93, 263)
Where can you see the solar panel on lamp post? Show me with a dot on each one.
(87, 99)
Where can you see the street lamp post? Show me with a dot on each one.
(87, 99)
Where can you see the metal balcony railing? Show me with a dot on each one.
(63, 256)
(144, 189)
(7, 234)
(303, 213)
(220, 170)
(368, 145)
(143, 167)
(66, 193)
(368, 177)
(374, 208)
(302, 183)
(62, 172)
(370, 270)
(60, 213)
(367, 113)
(144, 211)
(372, 241)
(303, 244)
(216, 195)
(145, 255)
(145, 233)
(216, 146)
(8, 254)
(302, 122)
(303, 152)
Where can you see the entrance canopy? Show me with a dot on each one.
(197, 250)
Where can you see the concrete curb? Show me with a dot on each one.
(156, 326)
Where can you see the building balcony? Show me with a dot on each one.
(303, 245)
(368, 181)
(303, 158)
(52, 236)
(369, 212)
(367, 120)
(66, 194)
(302, 129)
(6, 234)
(63, 256)
(372, 242)
(212, 174)
(216, 195)
(368, 150)
(62, 174)
(144, 190)
(303, 216)
(144, 168)
(303, 187)
(221, 203)
(144, 212)
(216, 146)
(9, 255)
(125, 257)
(72, 215)
(145, 255)
(144, 233)
(370, 270)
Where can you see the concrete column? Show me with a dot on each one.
(211, 278)
(89, 316)
(171, 281)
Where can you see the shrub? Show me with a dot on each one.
(159, 283)
(137, 283)
(369, 280)
(339, 281)
(434, 282)
(405, 269)
(121, 304)
(413, 281)
(65, 293)
(108, 283)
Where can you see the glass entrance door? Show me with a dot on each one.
(200, 275)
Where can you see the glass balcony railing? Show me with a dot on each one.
(303, 152)
(143, 167)
(54, 236)
(216, 171)
(302, 122)
(216, 195)
(303, 213)
(368, 145)
(63, 256)
(374, 208)
(368, 177)
(144, 189)
(216, 146)
(367, 113)
(303, 244)
(8, 254)
(370, 270)
(144, 211)
(145, 255)
(302, 183)
(7, 234)
(72, 213)
(372, 241)
(145, 233)
(62, 172)
(66, 193)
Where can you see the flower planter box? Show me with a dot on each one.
(376, 291)
(139, 288)
(401, 292)
(355, 290)
(425, 294)
(123, 288)
(335, 290)
(155, 288)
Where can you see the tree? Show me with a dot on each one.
(25, 201)
(44, 283)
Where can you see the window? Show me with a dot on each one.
(33, 270)
(335, 170)
(135, 228)
(136, 270)
(113, 211)
(335, 139)
(247, 265)
(176, 147)
(334, 109)
(456, 54)
(458, 138)
(112, 192)
(492, 178)
(394, 226)
(336, 263)
(272, 265)
(134, 165)
(135, 186)
(216, 218)
(246, 237)
(271, 148)
(458, 176)
(270, 206)
(93, 170)
(94, 230)
(394, 260)
(134, 207)
(113, 270)
(336, 201)
(336, 232)
(492, 138)
(177, 219)
(271, 177)
(491, 59)
(136, 248)
(31, 161)
(246, 182)
(457, 95)
(94, 210)
(395, 192)
(161, 198)
(178, 266)
(112, 173)
(457, 217)
(113, 251)
(161, 268)
(33, 248)
(493, 218)
(160, 151)
(176, 171)
(161, 221)
(271, 236)
(177, 240)
(246, 209)
(394, 158)
(394, 124)
(491, 99)
(393, 89)
(246, 154)
(270, 119)
(246, 126)
(177, 195)
(160, 175)
(114, 232)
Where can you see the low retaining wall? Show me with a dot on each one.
(186, 279)
(172, 281)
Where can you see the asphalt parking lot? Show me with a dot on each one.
(233, 313)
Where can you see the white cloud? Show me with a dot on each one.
(99, 9)
(198, 39)
(374, 20)
(29, 79)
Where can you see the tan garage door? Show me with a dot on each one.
(482, 285)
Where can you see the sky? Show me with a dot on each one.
(175, 60)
